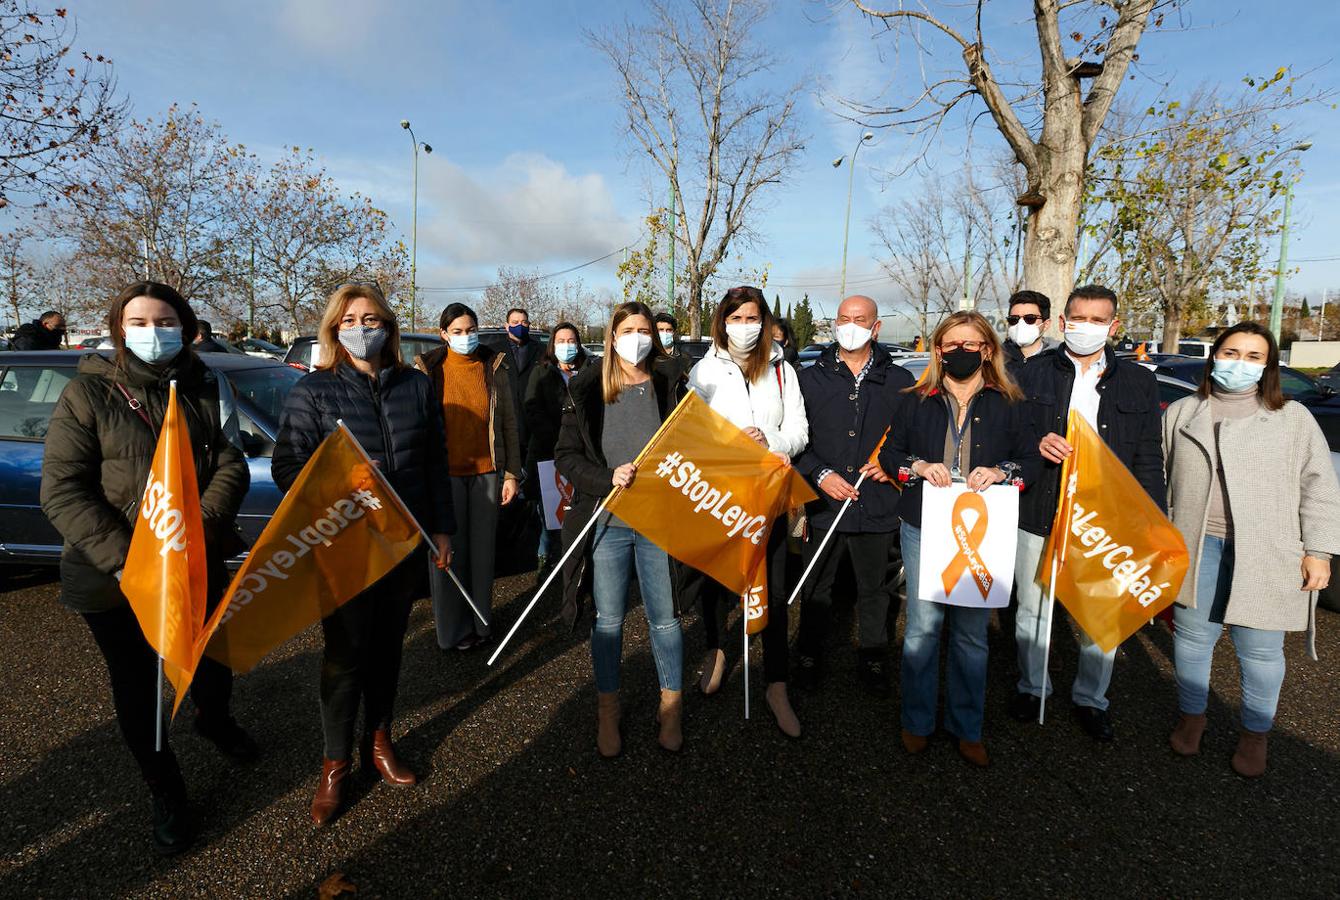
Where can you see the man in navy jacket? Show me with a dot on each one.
(1120, 400)
(851, 395)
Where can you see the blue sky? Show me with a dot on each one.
(529, 165)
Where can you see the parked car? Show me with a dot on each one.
(91, 343)
(302, 352)
(260, 348)
(1330, 378)
(30, 384)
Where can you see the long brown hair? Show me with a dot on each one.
(1271, 394)
(757, 364)
(611, 373)
(332, 351)
(154, 290)
(993, 363)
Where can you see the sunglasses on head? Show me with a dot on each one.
(1029, 318)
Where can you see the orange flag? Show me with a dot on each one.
(339, 529)
(165, 576)
(1119, 560)
(708, 496)
(1142, 352)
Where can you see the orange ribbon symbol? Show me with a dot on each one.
(967, 558)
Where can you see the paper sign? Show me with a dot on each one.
(555, 494)
(968, 539)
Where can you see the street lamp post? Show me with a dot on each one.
(846, 228)
(1277, 302)
(414, 231)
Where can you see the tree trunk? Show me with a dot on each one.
(1049, 244)
(695, 309)
(1172, 326)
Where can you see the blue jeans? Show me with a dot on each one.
(1260, 653)
(616, 549)
(1095, 666)
(965, 693)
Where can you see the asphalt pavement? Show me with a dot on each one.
(514, 802)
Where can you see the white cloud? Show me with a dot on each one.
(323, 25)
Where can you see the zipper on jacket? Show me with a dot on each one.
(388, 453)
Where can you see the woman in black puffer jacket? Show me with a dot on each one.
(99, 449)
(389, 408)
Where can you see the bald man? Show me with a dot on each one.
(851, 394)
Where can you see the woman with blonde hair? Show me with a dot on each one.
(963, 421)
(617, 405)
(391, 410)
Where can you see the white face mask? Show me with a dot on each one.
(1085, 338)
(633, 347)
(743, 336)
(1024, 334)
(851, 336)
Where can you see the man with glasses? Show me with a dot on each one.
(1027, 321)
(1119, 399)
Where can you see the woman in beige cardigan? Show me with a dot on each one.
(1252, 489)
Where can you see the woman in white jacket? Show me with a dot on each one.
(745, 379)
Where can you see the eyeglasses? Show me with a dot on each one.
(370, 320)
(1029, 318)
(970, 346)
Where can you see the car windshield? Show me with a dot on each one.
(1297, 386)
(265, 387)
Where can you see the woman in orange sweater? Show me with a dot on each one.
(484, 465)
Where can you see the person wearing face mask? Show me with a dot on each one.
(98, 452)
(964, 420)
(618, 403)
(545, 397)
(677, 362)
(47, 333)
(393, 411)
(1119, 399)
(852, 393)
(785, 337)
(745, 378)
(1026, 326)
(1252, 489)
(484, 461)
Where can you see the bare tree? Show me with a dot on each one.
(18, 275)
(159, 200)
(307, 237)
(54, 107)
(1070, 117)
(545, 300)
(920, 236)
(700, 100)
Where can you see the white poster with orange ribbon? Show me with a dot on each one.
(968, 539)
(555, 494)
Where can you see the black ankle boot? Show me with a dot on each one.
(172, 827)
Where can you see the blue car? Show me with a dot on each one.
(30, 384)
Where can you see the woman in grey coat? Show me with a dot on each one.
(1252, 489)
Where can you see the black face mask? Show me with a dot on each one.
(961, 364)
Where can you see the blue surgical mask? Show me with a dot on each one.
(566, 353)
(464, 344)
(1236, 375)
(667, 339)
(154, 346)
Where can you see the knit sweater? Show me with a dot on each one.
(1225, 405)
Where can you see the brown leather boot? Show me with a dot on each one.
(914, 743)
(974, 752)
(388, 765)
(1185, 738)
(670, 717)
(329, 798)
(1249, 760)
(609, 743)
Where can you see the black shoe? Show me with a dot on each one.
(871, 672)
(172, 821)
(1025, 707)
(1095, 722)
(223, 732)
(807, 675)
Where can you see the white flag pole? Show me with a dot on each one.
(432, 548)
(824, 543)
(744, 626)
(158, 727)
(577, 542)
(1047, 641)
